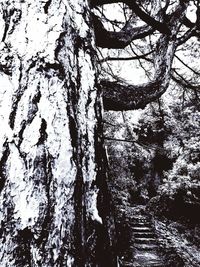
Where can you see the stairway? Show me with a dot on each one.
(143, 248)
(146, 245)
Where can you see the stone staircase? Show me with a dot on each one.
(146, 244)
(144, 247)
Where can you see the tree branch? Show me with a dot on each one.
(188, 23)
(94, 3)
(191, 32)
(194, 28)
(111, 39)
(183, 82)
(121, 96)
(144, 56)
(186, 65)
(155, 24)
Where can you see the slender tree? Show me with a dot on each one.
(55, 203)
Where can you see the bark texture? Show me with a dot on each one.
(51, 176)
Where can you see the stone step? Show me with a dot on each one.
(145, 240)
(152, 264)
(126, 264)
(147, 256)
(141, 224)
(142, 229)
(142, 264)
(149, 264)
(144, 234)
(143, 245)
(142, 220)
(146, 246)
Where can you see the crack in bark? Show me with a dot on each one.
(43, 133)
(46, 6)
(31, 115)
(3, 162)
(47, 162)
(6, 18)
(7, 15)
(15, 106)
(33, 107)
(16, 100)
(79, 207)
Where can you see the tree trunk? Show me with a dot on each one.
(54, 198)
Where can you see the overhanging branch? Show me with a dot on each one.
(121, 96)
(151, 21)
(111, 39)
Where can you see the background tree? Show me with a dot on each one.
(55, 207)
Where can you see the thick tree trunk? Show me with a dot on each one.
(54, 199)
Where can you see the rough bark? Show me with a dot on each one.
(52, 178)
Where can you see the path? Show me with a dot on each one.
(144, 245)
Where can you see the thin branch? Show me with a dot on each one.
(143, 145)
(197, 73)
(188, 23)
(190, 33)
(144, 56)
(140, 62)
(183, 82)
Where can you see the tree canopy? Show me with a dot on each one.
(166, 29)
